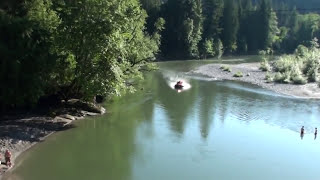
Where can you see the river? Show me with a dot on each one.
(214, 130)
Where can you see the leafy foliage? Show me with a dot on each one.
(26, 49)
(73, 48)
(301, 67)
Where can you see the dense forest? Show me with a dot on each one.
(83, 48)
(208, 28)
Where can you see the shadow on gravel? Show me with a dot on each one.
(30, 129)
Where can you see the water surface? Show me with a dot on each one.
(214, 130)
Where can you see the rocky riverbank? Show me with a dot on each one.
(19, 133)
(252, 74)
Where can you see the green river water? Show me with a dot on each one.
(212, 131)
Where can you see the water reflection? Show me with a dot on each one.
(207, 106)
(177, 105)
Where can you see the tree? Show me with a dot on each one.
(183, 28)
(245, 26)
(107, 43)
(230, 26)
(26, 45)
(268, 26)
(207, 48)
(152, 8)
(212, 13)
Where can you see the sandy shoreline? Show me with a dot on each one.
(252, 74)
(19, 134)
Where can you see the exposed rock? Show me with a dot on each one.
(67, 116)
(79, 117)
(102, 110)
(86, 113)
(85, 106)
(62, 120)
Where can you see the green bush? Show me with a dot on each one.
(301, 67)
(265, 66)
(269, 77)
(297, 76)
(238, 74)
(285, 63)
(287, 77)
(299, 80)
(278, 77)
(226, 68)
(312, 69)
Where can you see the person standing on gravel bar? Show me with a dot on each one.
(7, 157)
(302, 130)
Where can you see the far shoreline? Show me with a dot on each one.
(253, 75)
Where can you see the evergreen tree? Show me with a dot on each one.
(246, 26)
(264, 23)
(212, 12)
(183, 28)
(153, 10)
(230, 26)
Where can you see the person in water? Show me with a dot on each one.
(179, 84)
(315, 131)
(302, 130)
(7, 156)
